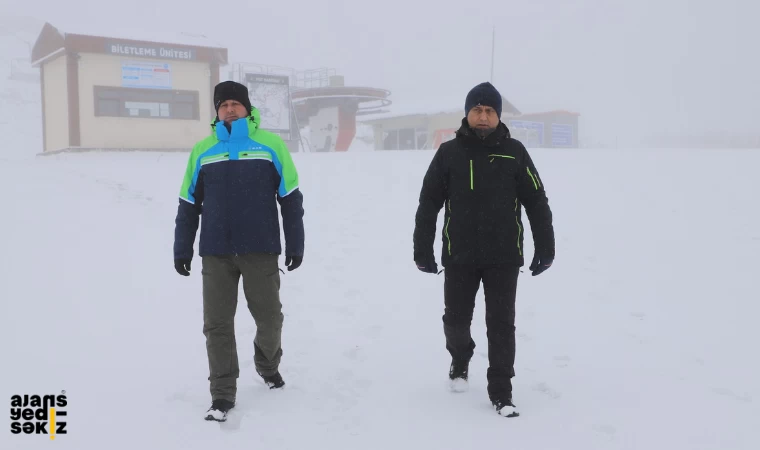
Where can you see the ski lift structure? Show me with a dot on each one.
(317, 100)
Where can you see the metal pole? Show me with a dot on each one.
(493, 48)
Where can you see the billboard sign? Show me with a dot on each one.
(270, 94)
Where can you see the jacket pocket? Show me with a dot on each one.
(492, 157)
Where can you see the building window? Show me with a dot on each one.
(406, 139)
(146, 103)
(390, 140)
(422, 139)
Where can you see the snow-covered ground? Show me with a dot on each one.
(642, 336)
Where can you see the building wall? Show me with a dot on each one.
(442, 126)
(394, 124)
(446, 121)
(56, 104)
(377, 131)
(149, 133)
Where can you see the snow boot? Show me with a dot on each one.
(505, 408)
(218, 410)
(274, 381)
(458, 373)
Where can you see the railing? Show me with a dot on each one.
(298, 79)
(22, 70)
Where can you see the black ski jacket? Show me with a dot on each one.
(483, 185)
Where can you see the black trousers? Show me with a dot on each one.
(500, 289)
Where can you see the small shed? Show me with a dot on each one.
(125, 90)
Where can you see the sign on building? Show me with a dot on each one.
(150, 51)
(531, 134)
(146, 75)
(562, 135)
(270, 94)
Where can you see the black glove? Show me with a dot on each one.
(293, 262)
(427, 266)
(540, 263)
(182, 266)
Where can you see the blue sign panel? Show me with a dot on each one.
(562, 135)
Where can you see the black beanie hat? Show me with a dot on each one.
(231, 90)
(483, 94)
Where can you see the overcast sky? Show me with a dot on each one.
(629, 67)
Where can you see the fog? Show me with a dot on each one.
(612, 343)
(635, 71)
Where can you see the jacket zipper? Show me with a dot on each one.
(519, 229)
(446, 230)
(226, 169)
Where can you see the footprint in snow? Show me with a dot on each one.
(524, 337)
(374, 331)
(234, 419)
(353, 353)
(608, 430)
(352, 294)
(561, 361)
(746, 398)
(545, 389)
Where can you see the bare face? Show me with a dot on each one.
(482, 117)
(231, 110)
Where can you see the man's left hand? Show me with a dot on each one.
(540, 263)
(293, 262)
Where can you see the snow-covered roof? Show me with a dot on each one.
(57, 38)
(403, 112)
(431, 107)
(138, 34)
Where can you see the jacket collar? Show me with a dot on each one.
(238, 130)
(497, 137)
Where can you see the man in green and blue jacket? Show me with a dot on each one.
(234, 179)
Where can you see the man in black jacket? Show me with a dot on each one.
(483, 178)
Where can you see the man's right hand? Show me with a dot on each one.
(182, 266)
(427, 266)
